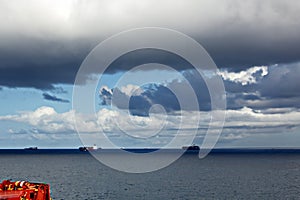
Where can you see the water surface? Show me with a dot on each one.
(218, 176)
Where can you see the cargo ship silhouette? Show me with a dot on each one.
(31, 148)
(192, 147)
(93, 148)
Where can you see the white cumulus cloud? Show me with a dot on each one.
(239, 123)
(244, 77)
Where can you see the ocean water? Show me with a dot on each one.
(218, 176)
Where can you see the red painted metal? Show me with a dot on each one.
(23, 190)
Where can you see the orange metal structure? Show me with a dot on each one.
(23, 190)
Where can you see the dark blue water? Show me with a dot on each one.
(218, 176)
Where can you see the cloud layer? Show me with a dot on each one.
(54, 98)
(255, 44)
(118, 125)
(44, 43)
(259, 88)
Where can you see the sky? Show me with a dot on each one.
(255, 45)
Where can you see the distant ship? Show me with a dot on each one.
(31, 148)
(93, 148)
(192, 147)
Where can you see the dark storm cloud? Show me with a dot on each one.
(140, 104)
(278, 89)
(40, 64)
(276, 92)
(105, 95)
(54, 98)
(48, 45)
(144, 56)
(241, 51)
(282, 82)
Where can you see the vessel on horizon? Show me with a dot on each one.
(31, 148)
(192, 147)
(90, 148)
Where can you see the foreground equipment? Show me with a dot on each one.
(23, 190)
